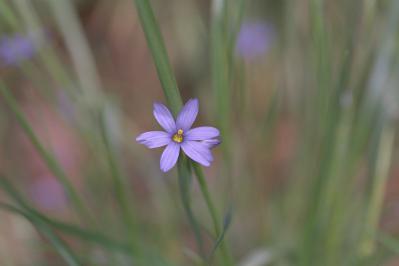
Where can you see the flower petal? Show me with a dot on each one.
(169, 156)
(164, 117)
(187, 115)
(154, 139)
(198, 152)
(211, 143)
(202, 133)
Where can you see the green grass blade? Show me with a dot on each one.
(220, 70)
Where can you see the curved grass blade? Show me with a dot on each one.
(60, 246)
(69, 229)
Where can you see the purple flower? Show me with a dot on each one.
(195, 142)
(254, 39)
(15, 49)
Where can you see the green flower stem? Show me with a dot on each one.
(227, 259)
(48, 158)
(173, 97)
(159, 54)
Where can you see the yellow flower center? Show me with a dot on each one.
(178, 137)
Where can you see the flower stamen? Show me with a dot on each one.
(178, 137)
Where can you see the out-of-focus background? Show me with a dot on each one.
(305, 93)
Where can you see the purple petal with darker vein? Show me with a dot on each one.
(197, 152)
(164, 117)
(169, 156)
(202, 133)
(154, 139)
(211, 143)
(187, 115)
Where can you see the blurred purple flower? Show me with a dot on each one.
(16, 48)
(254, 39)
(48, 193)
(195, 142)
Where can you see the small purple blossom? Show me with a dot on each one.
(196, 143)
(16, 48)
(254, 39)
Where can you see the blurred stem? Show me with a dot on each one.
(227, 259)
(48, 158)
(321, 128)
(220, 71)
(119, 185)
(381, 173)
(78, 47)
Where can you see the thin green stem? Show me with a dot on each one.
(221, 71)
(159, 54)
(174, 100)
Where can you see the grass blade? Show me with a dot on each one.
(69, 229)
(59, 245)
